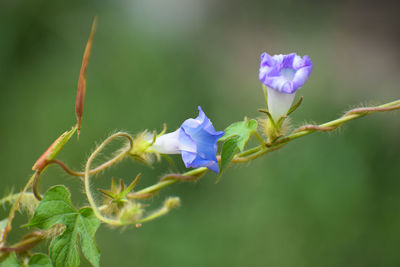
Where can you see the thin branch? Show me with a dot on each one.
(332, 125)
(29, 241)
(165, 182)
(180, 177)
(314, 128)
(14, 208)
(263, 149)
(34, 186)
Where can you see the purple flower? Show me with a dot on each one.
(196, 140)
(283, 75)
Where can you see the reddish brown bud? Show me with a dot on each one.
(53, 150)
(80, 96)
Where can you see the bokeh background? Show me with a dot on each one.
(323, 200)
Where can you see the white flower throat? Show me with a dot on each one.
(288, 73)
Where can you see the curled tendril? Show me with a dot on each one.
(120, 156)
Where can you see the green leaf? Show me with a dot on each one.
(39, 260)
(229, 149)
(11, 261)
(236, 136)
(241, 129)
(80, 225)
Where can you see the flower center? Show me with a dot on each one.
(288, 73)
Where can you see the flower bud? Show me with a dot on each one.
(172, 203)
(131, 213)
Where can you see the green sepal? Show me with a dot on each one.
(295, 106)
(118, 195)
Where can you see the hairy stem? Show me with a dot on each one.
(161, 212)
(334, 124)
(26, 244)
(14, 208)
(169, 179)
(308, 129)
(12, 198)
(34, 186)
(165, 182)
(258, 151)
(99, 168)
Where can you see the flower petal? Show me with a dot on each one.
(214, 167)
(279, 83)
(301, 62)
(278, 103)
(188, 158)
(287, 61)
(301, 77)
(186, 143)
(267, 60)
(167, 143)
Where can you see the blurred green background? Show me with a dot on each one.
(324, 200)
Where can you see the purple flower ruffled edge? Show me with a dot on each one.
(285, 73)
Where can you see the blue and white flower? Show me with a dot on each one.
(283, 75)
(196, 140)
